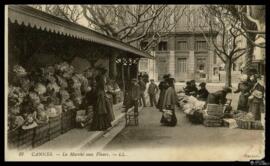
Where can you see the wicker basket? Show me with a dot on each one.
(41, 134)
(244, 124)
(54, 127)
(13, 138)
(26, 137)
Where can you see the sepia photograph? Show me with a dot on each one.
(141, 82)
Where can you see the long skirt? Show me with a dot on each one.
(100, 122)
(109, 105)
(256, 108)
(243, 103)
(171, 123)
(160, 100)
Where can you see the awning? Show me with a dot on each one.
(30, 17)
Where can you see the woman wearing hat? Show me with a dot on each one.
(163, 85)
(255, 100)
(101, 118)
(170, 100)
(244, 88)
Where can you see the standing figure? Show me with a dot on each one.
(110, 92)
(163, 85)
(170, 100)
(255, 100)
(202, 92)
(142, 90)
(152, 91)
(244, 88)
(101, 119)
(133, 96)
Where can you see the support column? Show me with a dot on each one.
(112, 66)
(171, 66)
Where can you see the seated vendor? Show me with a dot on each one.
(219, 97)
(202, 92)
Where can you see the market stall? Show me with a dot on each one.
(216, 115)
(51, 64)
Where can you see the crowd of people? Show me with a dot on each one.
(101, 95)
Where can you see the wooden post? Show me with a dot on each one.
(128, 70)
(112, 65)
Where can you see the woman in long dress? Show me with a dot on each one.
(163, 86)
(244, 88)
(109, 99)
(255, 100)
(169, 103)
(101, 118)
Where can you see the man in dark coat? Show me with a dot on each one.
(219, 97)
(203, 92)
(152, 91)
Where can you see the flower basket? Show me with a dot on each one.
(245, 124)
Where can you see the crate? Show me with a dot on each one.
(41, 135)
(26, 138)
(13, 139)
(54, 127)
(215, 110)
(67, 121)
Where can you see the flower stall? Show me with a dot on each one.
(51, 63)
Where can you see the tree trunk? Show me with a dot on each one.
(249, 55)
(112, 66)
(228, 70)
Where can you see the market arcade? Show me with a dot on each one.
(38, 40)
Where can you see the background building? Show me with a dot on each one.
(184, 52)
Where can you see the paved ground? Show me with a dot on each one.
(151, 141)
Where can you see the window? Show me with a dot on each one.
(201, 45)
(143, 44)
(182, 65)
(181, 45)
(201, 67)
(162, 46)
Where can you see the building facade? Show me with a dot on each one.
(185, 52)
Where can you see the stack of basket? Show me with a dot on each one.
(214, 115)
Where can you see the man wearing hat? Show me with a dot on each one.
(202, 92)
(152, 91)
(133, 95)
(219, 97)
